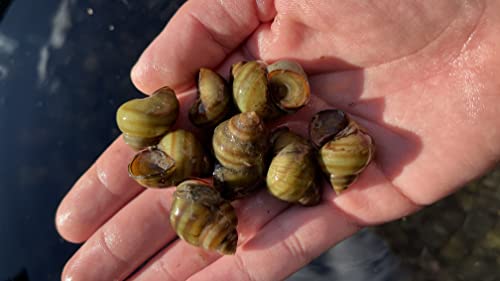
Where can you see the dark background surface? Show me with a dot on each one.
(64, 70)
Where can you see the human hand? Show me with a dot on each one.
(421, 77)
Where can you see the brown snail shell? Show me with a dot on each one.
(292, 173)
(240, 145)
(177, 157)
(152, 167)
(144, 121)
(288, 85)
(201, 217)
(213, 102)
(345, 152)
(250, 90)
(282, 137)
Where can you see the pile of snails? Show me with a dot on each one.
(244, 154)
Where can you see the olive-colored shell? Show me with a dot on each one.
(288, 85)
(240, 144)
(177, 157)
(144, 121)
(190, 157)
(152, 167)
(201, 217)
(250, 91)
(213, 102)
(292, 174)
(282, 137)
(344, 154)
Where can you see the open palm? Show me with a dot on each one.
(421, 76)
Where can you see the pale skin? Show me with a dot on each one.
(423, 78)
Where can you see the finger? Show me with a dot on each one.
(122, 244)
(253, 213)
(285, 244)
(197, 37)
(97, 195)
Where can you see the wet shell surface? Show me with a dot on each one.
(190, 157)
(213, 103)
(292, 173)
(250, 90)
(201, 217)
(240, 145)
(288, 85)
(152, 167)
(344, 153)
(144, 121)
(177, 157)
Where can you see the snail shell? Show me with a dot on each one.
(213, 102)
(288, 85)
(250, 91)
(177, 157)
(345, 152)
(292, 174)
(144, 121)
(240, 145)
(201, 217)
(152, 167)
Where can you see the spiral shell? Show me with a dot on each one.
(177, 157)
(240, 145)
(292, 174)
(344, 152)
(152, 167)
(213, 102)
(144, 121)
(204, 219)
(250, 91)
(288, 85)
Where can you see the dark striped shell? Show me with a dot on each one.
(213, 103)
(250, 89)
(288, 85)
(344, 154)
(201, 217)
(240, 145)
(144, 121)
(177, 157)
(292, 174)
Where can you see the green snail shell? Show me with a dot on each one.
(240, 144)
(250, 89)
(213, 102)
(201, 217)
(344, 154)
(292, 173)
(144, 121)
(177, 157)
(152, 167)
(190, 157)
(288, 85)
(282, 137)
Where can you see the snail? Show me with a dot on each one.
(201, 217)
(240, 145)
(177, 157)
(144, 121)
(271, 91)
(213, 102)
(292, 173)
(345, 149)
(250, 91)
(288, 85)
